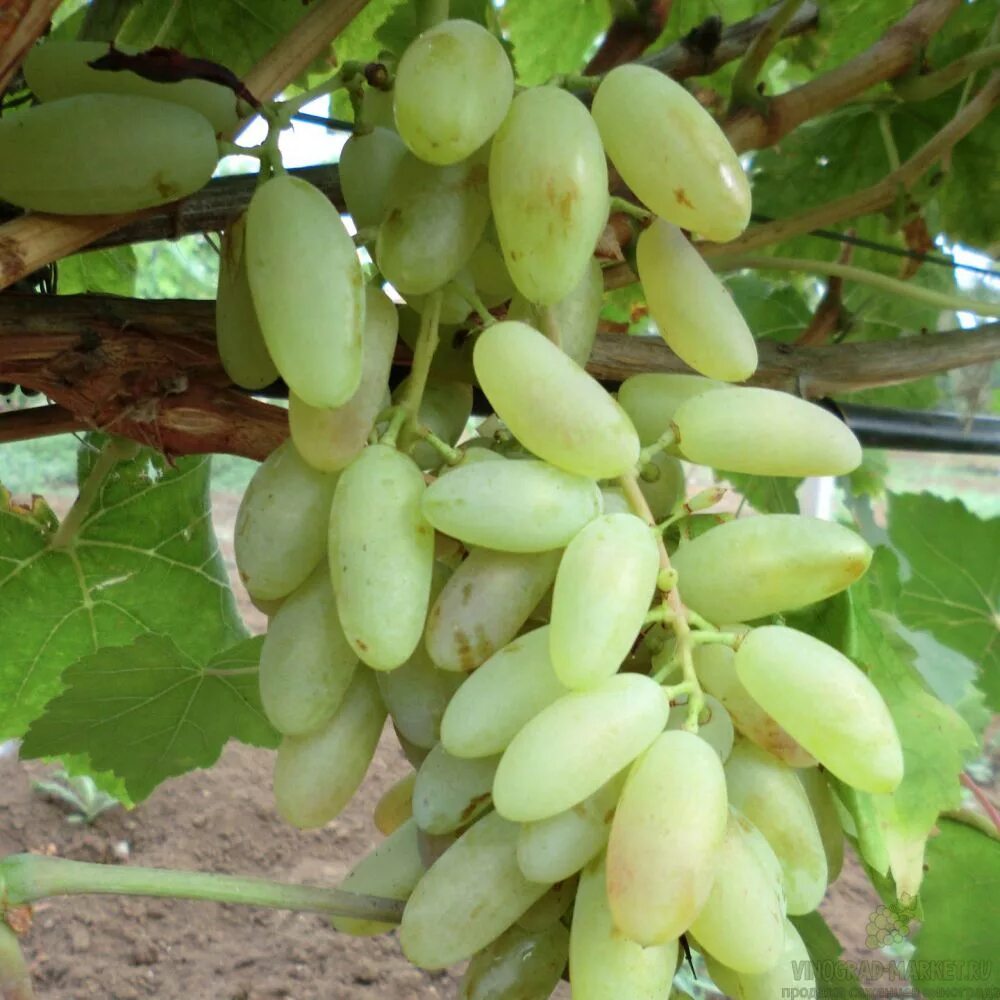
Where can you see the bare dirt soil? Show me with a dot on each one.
(223, 820)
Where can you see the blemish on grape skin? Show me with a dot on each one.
(682, 199)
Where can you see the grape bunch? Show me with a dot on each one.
(617, 743)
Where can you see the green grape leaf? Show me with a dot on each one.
(144, 558)
(957, 944)
(827, 977)
(766, 494)
(110, 271)
(833, 621)
(936, 741)
(868, 479)
(554, 37)
(867, 833)
(149, 711)
(778, 311)
(951, 578)
(235, 33)
(399, 27)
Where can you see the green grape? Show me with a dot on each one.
(576, 744)
(662, 483)
(381, 556)
(603, 963)
(757, 566)
(572, 321)
(742, 924)
(715, 726)
(603, 589)
(470, 896)
(693, 310)
(280, 532)
(715, 665)
(238, 335)
(390, 870)
(554, 849)
(551, 908)
(824, 808)
(490, 276)
(765, 433)
(139, 153)
(395, 806)
(785, 979)
(665, 838)
(416, 695)
(315, 775)
(445, 408)
(518, 965)
(306, 663)
(367, 164)
(769, 794)
(330, 439)
(501, 697)
(827, 703)
(57, 69)
(614, 501)
(514, 506)
(549, 192)
(651, 399)
(485, 603)
(15, 976)
(435, 217)
(451, 791)
(552, 406)
(307, 288)
(453, 87)
(684, 168)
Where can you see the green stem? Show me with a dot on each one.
(577, 81)
(451, 455)
(630, 209)
(721, 638)
(672, 604)
(423, 355)
(700, 623)
(923, 88)
(113, 451)
(744, 88)
(888, 139)
(943, 300)
(664, 441)
(430, 12)
(27, 878)
(346, 76)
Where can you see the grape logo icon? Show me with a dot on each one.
(889, 925)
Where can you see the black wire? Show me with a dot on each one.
(334, 124)
(859, 241)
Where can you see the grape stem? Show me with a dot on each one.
(664, 441)
(423, 354)
(114, 451)
(673, 606)
(744, 88)
(451, 455)
(906, 289)
(27, 878)
(629, 208)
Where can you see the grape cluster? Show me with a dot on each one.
(616, 741)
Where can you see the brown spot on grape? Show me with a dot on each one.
(682, 199)
(166, 190)
(609, 816)
(466, 593)
(362, 645)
